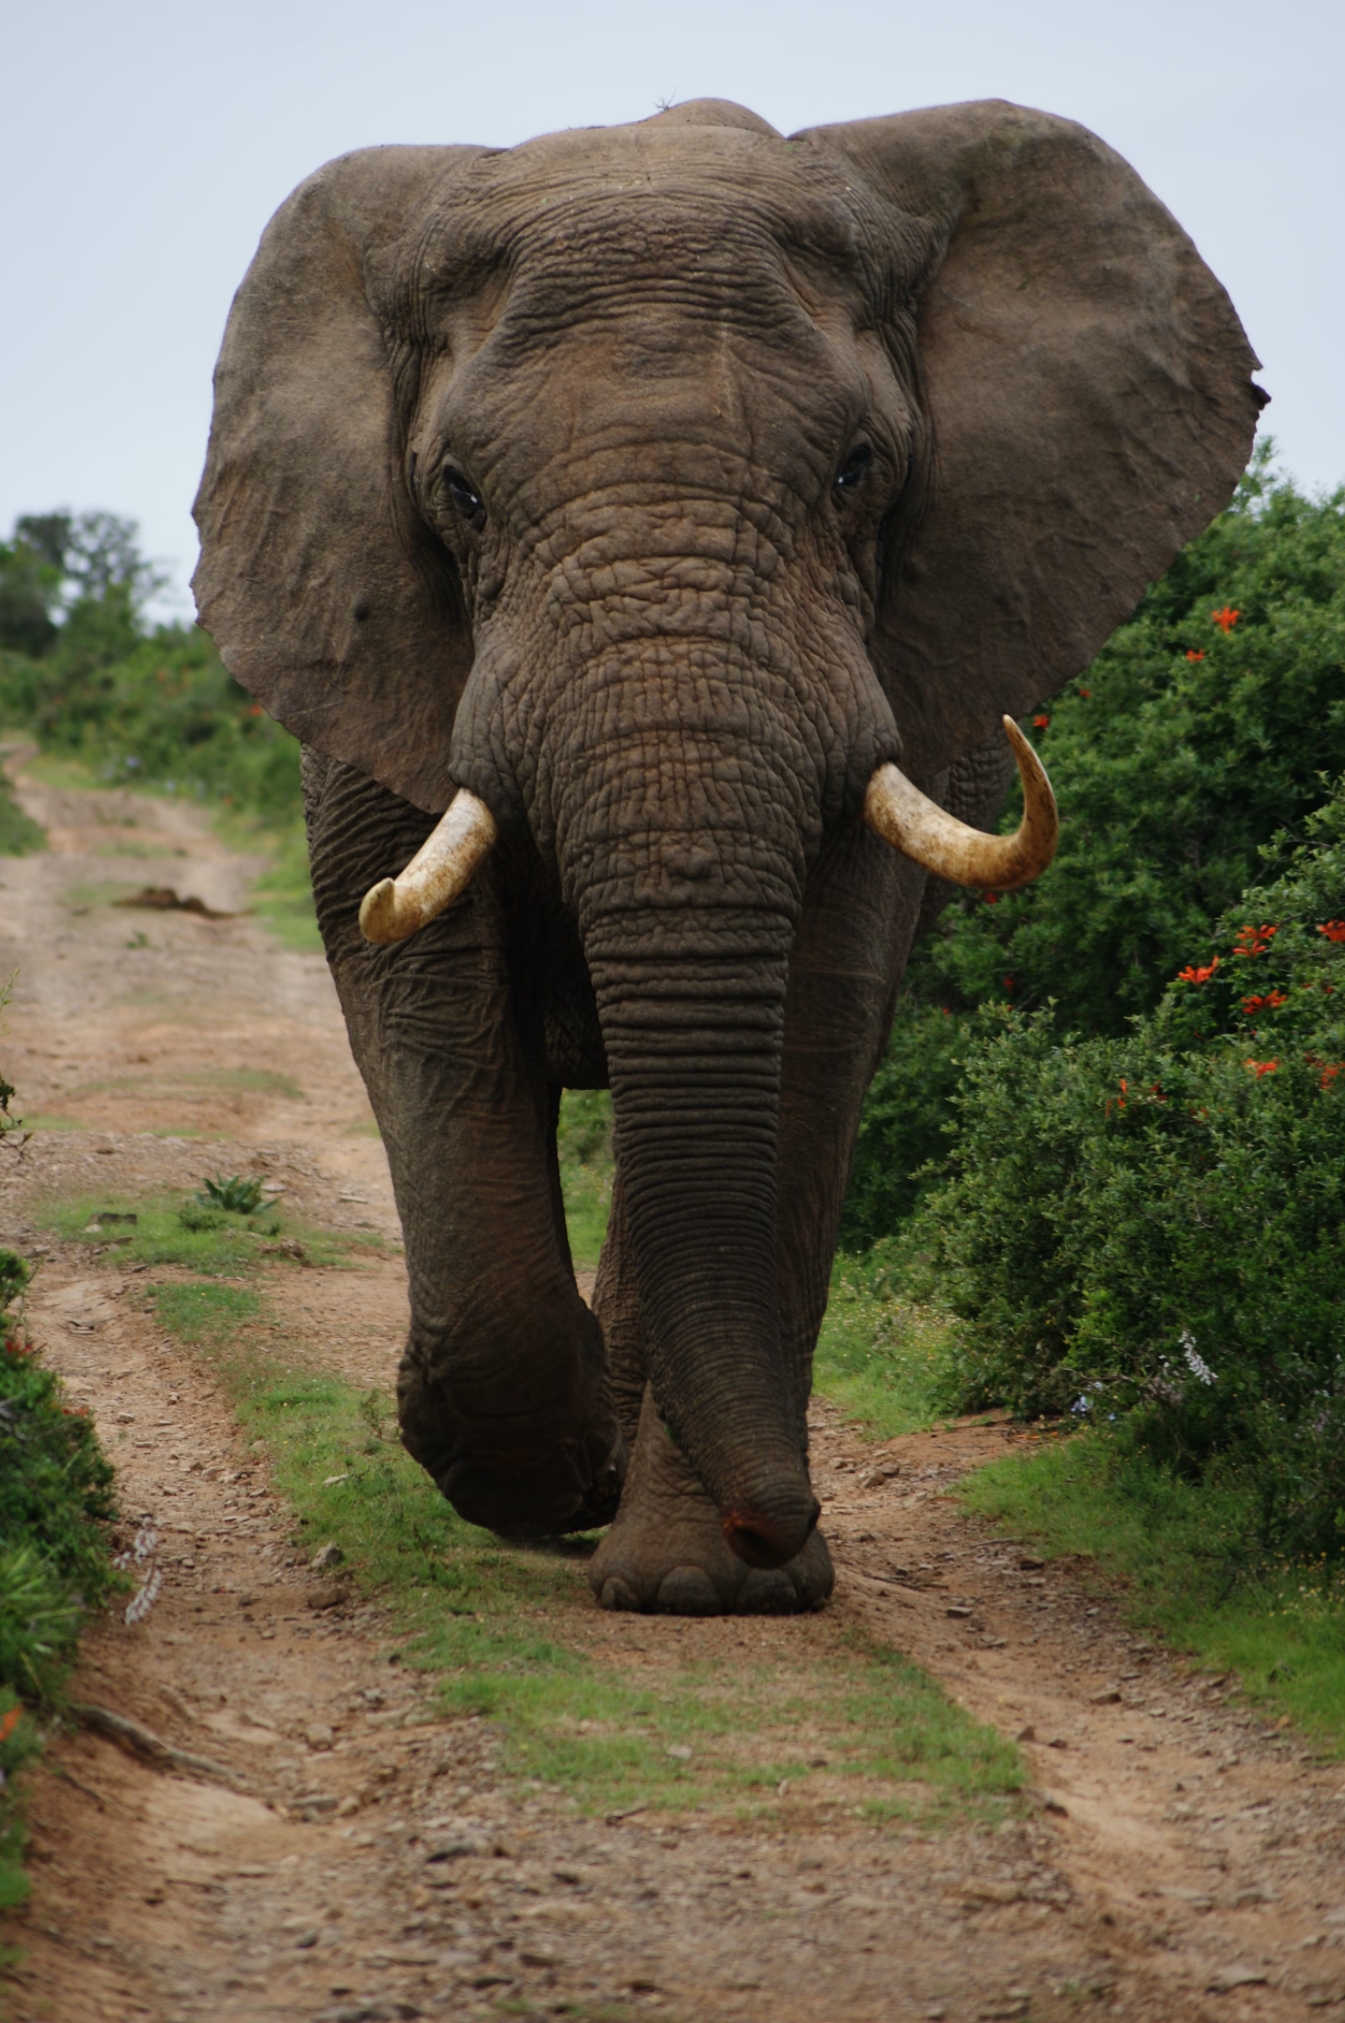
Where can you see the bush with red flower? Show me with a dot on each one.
(1153, 1226)
(1197, 743)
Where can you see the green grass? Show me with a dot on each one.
(495, 1627)
(584, 1148)
(213, 1081)
(1183, 1555)
(282, 897)
(880, 1359)
(209, 1242)
(55, 1565)
(19, 834)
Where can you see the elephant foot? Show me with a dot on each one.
(666, 1551)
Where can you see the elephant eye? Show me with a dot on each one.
(463, 496)
(853, 471)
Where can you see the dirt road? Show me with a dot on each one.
(1176, 1859)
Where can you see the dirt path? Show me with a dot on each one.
(1179, 1859)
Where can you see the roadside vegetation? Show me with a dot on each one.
(1107, 1145)
(129, 704)
(55, 1559)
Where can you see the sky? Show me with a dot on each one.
(145, 145)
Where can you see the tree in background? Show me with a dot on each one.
(81, 668)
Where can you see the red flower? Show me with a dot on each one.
(1262, 1067)
(1039, 723)
(1226, 619)
(9, 1722)
(255, 709)
(1329, 1075)
(1191, 654)
(991, 898)
(1254, 940)
(1193, 975)
(1156, 1092)
(1008, 983)
(1270, 1002)
(1084, 692)
(1334, 930)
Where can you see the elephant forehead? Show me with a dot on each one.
(716, 213)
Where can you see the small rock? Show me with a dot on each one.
(326, 1597)
(330, 1556)
(1028, 1564)
(1058, 1742)
(876, 1477)
(958, 1611)
(305, 1940)
(1028, 1734)
(318, 1735)
(1108, 1697)
(1255, 1895)
(537, 1956)
(457, 1846)
(680, 1751)
(1225, 1979)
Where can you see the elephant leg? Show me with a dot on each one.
(666, 1550)
(502, 1394)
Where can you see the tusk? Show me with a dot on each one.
(922, 830)
(440, 870)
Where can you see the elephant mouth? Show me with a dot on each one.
(894, 808)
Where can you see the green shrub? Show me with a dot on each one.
(82, 671)
(1149, 1232)
(1205, 726)
(55, 1492)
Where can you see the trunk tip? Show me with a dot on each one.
(769, 1538)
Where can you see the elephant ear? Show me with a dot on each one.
(325, 592)
(1087, 387)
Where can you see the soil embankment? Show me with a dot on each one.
(1178, 1860)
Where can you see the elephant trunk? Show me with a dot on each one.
(693, 1043)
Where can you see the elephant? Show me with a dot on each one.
(646, 531)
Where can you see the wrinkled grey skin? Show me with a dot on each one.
(657, 483)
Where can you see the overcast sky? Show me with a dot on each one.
(145, 144)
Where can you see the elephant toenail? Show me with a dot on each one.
(767, 1594)
(618, 1594)
(687, 1591)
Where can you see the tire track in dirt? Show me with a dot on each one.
(1181, 1860)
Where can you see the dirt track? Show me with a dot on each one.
(1179, 1859)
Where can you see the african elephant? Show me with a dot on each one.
(672, 504)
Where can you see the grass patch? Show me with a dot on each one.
(857, 1727)
(880, 1358)
(20, 835)
(176, 1230)
(584, 1149)
(208, 1081)
(86, 893)
(206, 1315)
(282, 897)
(55, 1565)
(487, 1619)
(1192, 1573)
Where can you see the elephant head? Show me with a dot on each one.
(683, 494)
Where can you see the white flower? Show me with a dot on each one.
(1195, 1362)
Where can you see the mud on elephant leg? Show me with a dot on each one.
(667, 1551)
